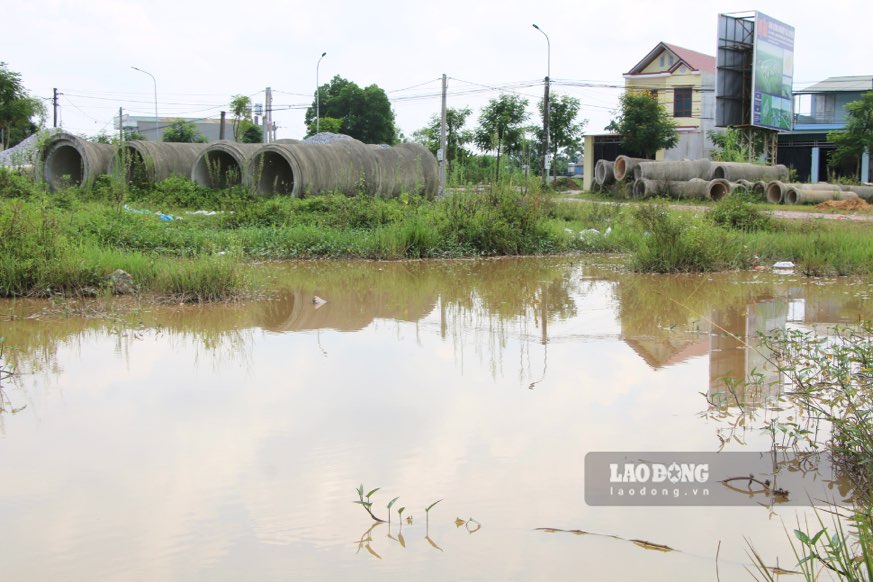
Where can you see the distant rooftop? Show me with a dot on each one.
(841, 84)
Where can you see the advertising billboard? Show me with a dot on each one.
(773, 74)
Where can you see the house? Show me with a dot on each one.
(819, 109)
(683, 81)
(145, 125)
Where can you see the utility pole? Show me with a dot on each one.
(546, 158)
(120, 126)
(268, 115)
(442, 151)
(55, 106)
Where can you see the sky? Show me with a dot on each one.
(203, 53)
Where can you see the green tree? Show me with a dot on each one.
(366, 113)
(17, 109)
(241, 108)
(327, 125)
(501, 126)
(182, 131)
(250, 133)
(856, 137)
(565, 133)
(644, 124)
(457, 137)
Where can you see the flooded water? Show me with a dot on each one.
(226, 442)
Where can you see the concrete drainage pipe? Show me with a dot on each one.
(673, 171)
(695, 189)
(345, 166)
(604, 173)
(623, 167)
(148, 162)
(735, 171)
(795, 195)
(223, 164)
(68, 160)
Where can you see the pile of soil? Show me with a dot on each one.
(565, 184)
(856, 204)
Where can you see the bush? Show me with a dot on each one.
(736, 212)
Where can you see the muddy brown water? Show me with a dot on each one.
(225, 442)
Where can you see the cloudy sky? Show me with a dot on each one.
(202, 53)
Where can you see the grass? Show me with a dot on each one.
(69, 241)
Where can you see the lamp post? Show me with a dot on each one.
(156, 99)
(317, 91)
(546, 108)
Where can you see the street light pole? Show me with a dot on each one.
(546, 108)
(156, 99)
(317, 91)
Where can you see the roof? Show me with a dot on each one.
(841, 84)
(692, 59)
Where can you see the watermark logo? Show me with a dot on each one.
(702, 478)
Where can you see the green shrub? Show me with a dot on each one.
(736, 212)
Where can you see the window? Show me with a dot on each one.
(682, 102)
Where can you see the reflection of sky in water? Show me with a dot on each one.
(165, 460)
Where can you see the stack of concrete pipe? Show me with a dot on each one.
(779, 192)
(687, 179)
(285, 167)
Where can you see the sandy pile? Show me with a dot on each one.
(857, 204)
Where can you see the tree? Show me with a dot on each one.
(183, 132)
(564, 133)
(456, 136)
(17, 109)
(644, 124)
(856, 137)
(250, 133)
(366, 113)
(500, 125)
(241, 108)
(327, 125)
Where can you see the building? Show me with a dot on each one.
(683, 81)
(145, 125)
(819, 109)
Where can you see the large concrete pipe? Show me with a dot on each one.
(149, 162)
(733, 171)
(68, 160)
(694, 189)
(777, 190)
(624, 167)
(223, 164)
(717, 189)
(407, 167)
(604, 173)
(865, 192)
(811, 196)
(343, 166)
(678, 171)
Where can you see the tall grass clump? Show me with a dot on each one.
(831, 379)
(674, 243)
(737, 212)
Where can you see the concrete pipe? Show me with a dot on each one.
(68, 160)
(604, 173)
(717, 189)
(405, 168)
(759, 188)
(694, 189)
(223, 164)
(148, 162)
(344, 166)
(865, 192)
(812, 196)
(776, 190)
(678, 171)
(734, 171)
(623, 167)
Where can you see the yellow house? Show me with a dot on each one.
(683, 80)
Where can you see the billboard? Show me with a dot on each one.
(772, 74)
(754, 72)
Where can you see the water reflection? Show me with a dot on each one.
(186, 442)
